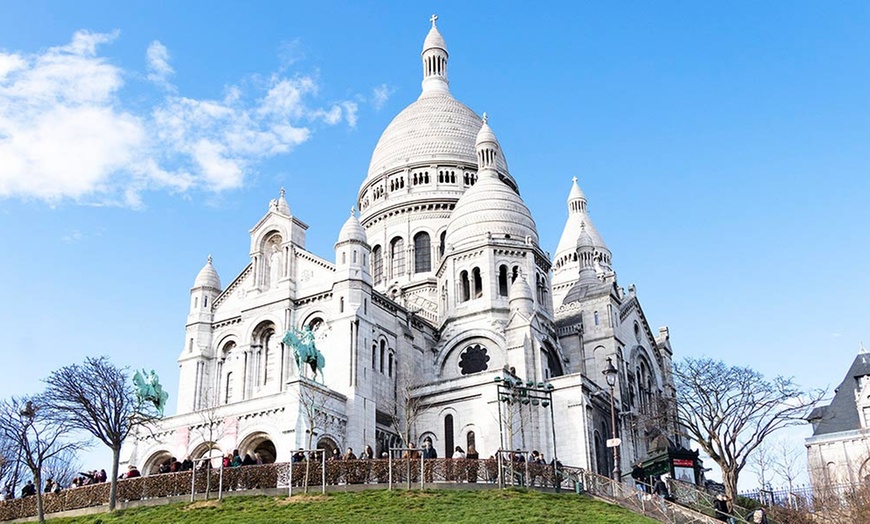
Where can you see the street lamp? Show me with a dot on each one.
(512, 390)
(611, 374)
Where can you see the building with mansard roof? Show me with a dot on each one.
(438, 288)
(839, 450)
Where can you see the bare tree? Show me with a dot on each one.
(313, 404)
(407, 408)
(211, 429)
(787, 462)
(761, 463)
(99, 398)
(10, 463)
(730, 410)
(37, 435)
(62, 468)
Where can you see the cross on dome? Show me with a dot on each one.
(433, 18)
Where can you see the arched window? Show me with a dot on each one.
(422, 253)
(596, 318)
(267, 354)
(341, 305)
(478, 282)
(375, 356)
(390, 368)
(383, 350)
(397, 255)
(228, 391)
(377, 265)
(470, 445)
(441, 243)
(464, 287)
(502, 280)
(448, 436)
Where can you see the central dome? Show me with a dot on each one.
(436, 128)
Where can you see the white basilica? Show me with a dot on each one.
(437, 288)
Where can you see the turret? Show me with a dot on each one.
(198, 340)
(352, 252)
(566, 264)
(434, 62)
(206, 287)
(521, 298)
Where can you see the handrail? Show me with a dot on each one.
(652, 506)
(376, 473)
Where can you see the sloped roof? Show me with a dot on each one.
(842, 413)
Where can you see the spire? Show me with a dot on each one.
(567, 263)
(281, 204)
(435, 62)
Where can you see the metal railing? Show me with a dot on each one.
(316, 471)
(642, 502)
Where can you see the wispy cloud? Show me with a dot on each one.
(65, 132)
(380, 95)
(159, 70)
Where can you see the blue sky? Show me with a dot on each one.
(722, 146)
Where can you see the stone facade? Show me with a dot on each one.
(439, 287)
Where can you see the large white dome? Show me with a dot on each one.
(435, 128)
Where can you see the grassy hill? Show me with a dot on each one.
(380, 506)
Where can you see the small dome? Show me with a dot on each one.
(485, 135)
(208, 276)
(434, 40)
(490, 207)
(352, 230)
(584, 239)
(520, 289)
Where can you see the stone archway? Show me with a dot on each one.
(153, 463)
(259, 444)
(208, 449)
(328, 444)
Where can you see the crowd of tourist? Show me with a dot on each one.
(83, 478)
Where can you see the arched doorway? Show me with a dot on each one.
(153, 463)
(259, 445)
(326, 443)
(208, 449)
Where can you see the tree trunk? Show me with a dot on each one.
(113, 486)
(729, 479)
(40, 509)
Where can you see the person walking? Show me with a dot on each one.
(721, 507)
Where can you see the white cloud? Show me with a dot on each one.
(159, 69)
(64, 132)
(380, 95)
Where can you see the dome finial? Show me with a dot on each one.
(435, 62)
(209, 258)
(862, 350)
(353, 211)
(485, 117)
(574, 179)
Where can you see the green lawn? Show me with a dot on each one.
(380, 506)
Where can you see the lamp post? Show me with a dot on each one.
(512, 390)
(611, 374)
